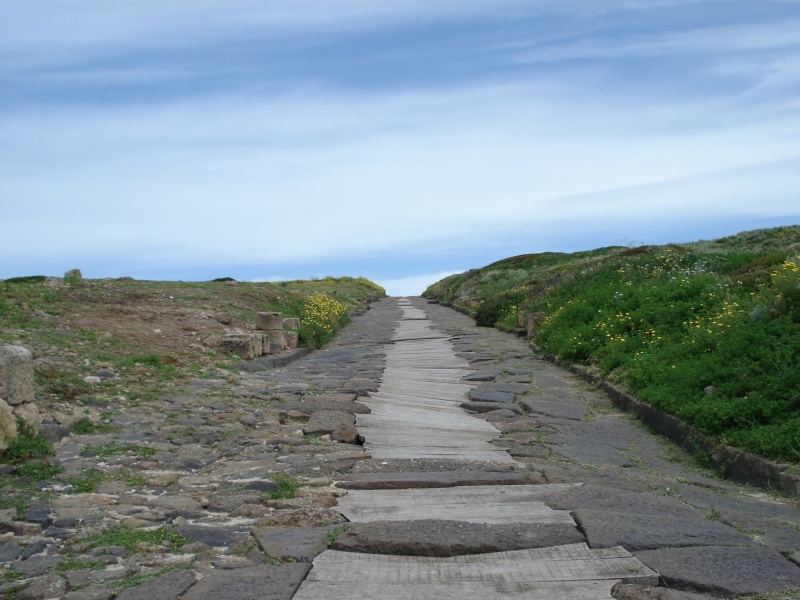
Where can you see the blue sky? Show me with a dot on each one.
(401, 141)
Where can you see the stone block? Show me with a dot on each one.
(324, 422)
(29, 415)
(277, 337)
(269, 321)
(240, 344)
(265, 344)
(16, 375)
(73, 274)
(292, 339)
(8, 425)
(291, 323)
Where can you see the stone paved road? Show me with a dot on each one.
(222, 444)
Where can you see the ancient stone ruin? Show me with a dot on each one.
(274, 335)
(16, 394)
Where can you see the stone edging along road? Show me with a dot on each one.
(570, 497)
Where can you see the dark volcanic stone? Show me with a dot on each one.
(561, 408)
(489, 395)
(599, 497)
(292, 543)
(262, 486)
(604, 529)
(10, 551)
(324, 422)
(266, 582)
(215, 537)
(37, 565)
(485, 407)
(726, 571)
(437, 479)
(451, 538)
(167, 587)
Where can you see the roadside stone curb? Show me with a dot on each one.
(734, 464)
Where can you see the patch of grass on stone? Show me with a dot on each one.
(135, 539)
(114, 448)
(8, 575)
(140, 578)
(64, 384)
(70, 563)
(713, 514)
(129, 477)
(336, 532)
(26, 446)
(287, 487)
(86, 426)
(38, 471)
(87, 483)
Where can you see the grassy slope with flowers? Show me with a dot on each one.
(668, 322)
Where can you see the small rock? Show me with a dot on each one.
(46, 586)
(346, 434)
(93, 379)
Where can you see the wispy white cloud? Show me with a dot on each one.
(120, 153)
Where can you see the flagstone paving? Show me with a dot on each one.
(206, 460)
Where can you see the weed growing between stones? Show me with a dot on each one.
(287, 487)
(336, 532)
(38, 471)
(136, 540)
(114, 448)
(26, 446)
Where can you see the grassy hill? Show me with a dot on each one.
(154, 334)
(708, 331)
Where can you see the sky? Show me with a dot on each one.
(397, 140)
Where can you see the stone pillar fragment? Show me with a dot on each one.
(16, 375)
(240, 344)
(292, 338)
(269, 321)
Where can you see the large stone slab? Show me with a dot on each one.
(644, 532)
(572, 571)
(166, 587)
(473, 504)
(599, 497)
(485, 407)
(452, 538)
(324, 422)
(439, 479)
(560, 408)
(490, 395)
(726, 571)
(213, 536)
(292, 543)
(265, 582)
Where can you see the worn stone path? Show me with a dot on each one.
(205, 460)
(417, 414)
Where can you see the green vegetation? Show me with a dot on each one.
(114, 448)
(708, 331)
(86, 426)
(38, 471)
(334, 533)
(287, 487)
(136, 540)
(27, 446)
